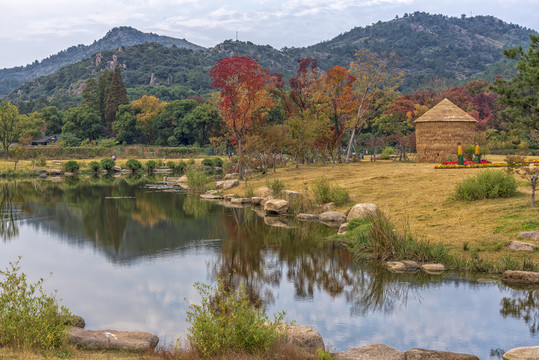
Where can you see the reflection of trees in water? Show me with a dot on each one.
(8, 212)
(258, 255)
(523, 304)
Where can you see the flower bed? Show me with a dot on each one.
(484, 164)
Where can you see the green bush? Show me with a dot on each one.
(150, 166)
(107, 164)
(487, 184)
(71, 166)
(387, 152)
(207, 162)
(94, 166)
(469, 152)
(29, 317)
(182, 165)
(134, 165)
(171, 164)
(41, 161)
(191, 161)
(226, 322)
(323, 192)
(217, 161)
(197, 179)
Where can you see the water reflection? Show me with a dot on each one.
(131, 225)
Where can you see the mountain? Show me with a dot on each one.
(432, 50)
(117, 37)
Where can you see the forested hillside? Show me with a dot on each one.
(115, 38)
(433, 51)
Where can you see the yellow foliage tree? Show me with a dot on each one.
(147, 108)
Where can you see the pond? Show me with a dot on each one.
(125, 255)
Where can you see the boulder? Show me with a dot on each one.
(343, 229)
(211, 196)
(227, 184)
(371, 352)
(229, 197)
(183, 179)
(332, 217)
(240, 200)
(433, 268)
(112, 339)
(230, 176)
(520, 277)
(276, 221)
(522, 353)
(305, 337)
(291, 196)
(68, 173)
(307, 217)
(533, 235)
(276, 206)
(255, 200)
(423, 354)
(521, 246)
(359, 211)
(56, 172)
(116, 169)
(326, 207)
(263, 192)
(266, 199)
(403, 265)
(162, 171)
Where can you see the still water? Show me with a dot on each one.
(125, 255)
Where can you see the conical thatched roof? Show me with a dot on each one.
(445, 110)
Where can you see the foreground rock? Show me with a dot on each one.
(332, 217)
(305, 337)
(307, 217)
(257, 201)
(522, 353)
(520, 277)
(371, 352)
(291, 196)
(276, 206)
(227, 184)
(343, 229)
(263, 192)
(521, 246)
(112, 339)
(211, 195)
(360, 211)
(423, 354)
(240, 200)
(533, 235)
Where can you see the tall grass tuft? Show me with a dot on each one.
(324, 192)
(30, 318)
(377, 236)
(197, 179)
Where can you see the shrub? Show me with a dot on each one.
(226, 321)
(41, 161)
(217, 161)
(277, 186)
(150, 165)
(207, 162)
(134, 165)
(94, 166)
(191, 161)
(182, 165)
(71, 166)
(107, 164)
(197, 179)
(387, 152)
(29, 317)
(171, 164)
(488, 184)
(323, 192)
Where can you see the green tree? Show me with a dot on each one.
(172, 117)
(521, 93)
(116, 96)
(82, 122)
(53, 120)
(29, 128)
(9, 116)
(103, 84)
(126, 125)
(90, 95)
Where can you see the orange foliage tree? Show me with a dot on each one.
(147, 108)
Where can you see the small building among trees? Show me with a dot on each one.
(439, 131)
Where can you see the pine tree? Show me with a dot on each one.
(116, 96)
(103, 84)
(90, 95)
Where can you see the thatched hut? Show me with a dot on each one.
(439, 131)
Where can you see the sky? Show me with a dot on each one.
(35, 29)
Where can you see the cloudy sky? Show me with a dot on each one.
(34, 29)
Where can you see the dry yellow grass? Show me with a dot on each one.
(74, 354)
(418, 195)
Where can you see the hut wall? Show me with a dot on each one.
(436, 141)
